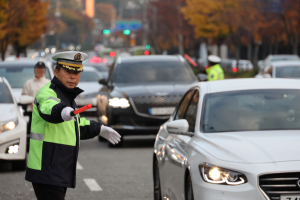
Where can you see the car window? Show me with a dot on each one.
(17, 76)
(183, 106)
(288, 72)
(5, 94)
(251, 110)
(153, 72)
(89, 76)
(191, 112)
(100, 68)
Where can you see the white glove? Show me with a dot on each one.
(66, 114)
(110, 134)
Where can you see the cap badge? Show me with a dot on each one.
(77, 57)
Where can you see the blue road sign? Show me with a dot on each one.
(132, 25)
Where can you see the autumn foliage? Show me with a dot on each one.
(21, 23)
(245, 22)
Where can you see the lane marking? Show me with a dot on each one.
(78, 166)
(92, 184)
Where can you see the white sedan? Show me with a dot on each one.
(231, 139)
(282, 69)
(12, 129)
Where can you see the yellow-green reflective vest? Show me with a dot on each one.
(54, 143)
(215, 73)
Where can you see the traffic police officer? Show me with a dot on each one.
(55, 134)
(214, 71)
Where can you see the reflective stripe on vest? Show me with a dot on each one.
(37, 136)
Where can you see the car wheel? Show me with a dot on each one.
(101, 139)
(157, 190)
(19, 165)
(189, 195)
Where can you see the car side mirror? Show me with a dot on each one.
(103, 81)
(179, 127)
(202, 77)
(26, 100)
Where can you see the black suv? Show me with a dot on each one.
(142, 92)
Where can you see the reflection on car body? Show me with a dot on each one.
(233, 139)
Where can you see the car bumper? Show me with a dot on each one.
(127, 122)
(16, 136)
(248, 191)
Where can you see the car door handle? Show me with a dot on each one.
(162, 138)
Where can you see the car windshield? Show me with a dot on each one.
(288, 72)
(251, 110)
(89, 76)
(17, 76)
(153, 72)
(100, 68)
(290, 58)
(5, 94)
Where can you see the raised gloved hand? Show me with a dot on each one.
(110, 134)
(66, 114)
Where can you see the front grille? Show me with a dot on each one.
(275, 185)
(143, 103)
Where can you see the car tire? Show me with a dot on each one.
(189, 194)
(19, 165)
(101, 139)
(156, 179)
(120, 144)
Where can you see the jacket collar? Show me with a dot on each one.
(70, 93)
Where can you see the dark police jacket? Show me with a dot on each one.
(54, 143)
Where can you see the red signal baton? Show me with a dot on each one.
(80, 110)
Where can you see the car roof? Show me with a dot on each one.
(148, 58)
(284, 55)
(25, 63)
(250, 84)
(286, 63)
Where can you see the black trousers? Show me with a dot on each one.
(49, 192)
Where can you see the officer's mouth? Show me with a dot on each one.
(71, 84)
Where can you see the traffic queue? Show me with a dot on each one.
(212, 135)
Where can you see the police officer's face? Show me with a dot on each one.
(70, 79)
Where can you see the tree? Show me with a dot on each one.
(168, 27)
(3, 26)
(24, 24)
(291, 18)
(29, 20)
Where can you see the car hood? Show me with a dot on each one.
(17, 92)
(8, 112)
(253, 147)
(152, 90)
(89, 87)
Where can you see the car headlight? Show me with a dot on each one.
(119, 103)
(9, 125)
(217, 175)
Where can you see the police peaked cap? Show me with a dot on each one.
(71, 60)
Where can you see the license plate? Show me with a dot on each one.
(290, 197)
(161, 111)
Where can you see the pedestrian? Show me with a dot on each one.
(32, 86)
(55, 133)
(214, 70)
